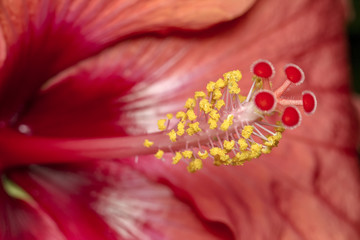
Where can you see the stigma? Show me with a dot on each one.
(223, 126)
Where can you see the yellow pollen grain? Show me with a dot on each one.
(169, 116)
(242, 144)
(247, 131)
(159, 154)
(212, 123)
(176, 158)
(190, 131)
(220, 83)
(233, 76)
(181, 129)
(199, 94)
(214, 115)
(242, 98)
(219, 104)
(243, 156)
(161, 124)
(224, 157)
(258, 83)
(181, 115)
(234, 88)
(255, 150)
(148, 143)
(219, 153)
(266, 150)
(195, 165)
(205, 105)
(195, 127)
(191, 115)
(215, 151)
(280, 129)
(187, 154)
(203, 155)
(210, 87)
(273, 140)
(216, 94)
(229, 145)
(227, 123)
(190, 103)
(172, 135)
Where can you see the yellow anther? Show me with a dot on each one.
(211, 86)
(242, 144)
(187, 154)
(277, 136)
(229, 145)
(224, 157)
(234, 88)
(159, 154)
(203, 155)
(181, 129)
(215, 151)
(216, 94)
(205, 105)
(191, 115)
(220, 153)
(161, 124)
(181, 115)
(280, 129)
(148, 143)
(190, 131)
(227, 123)
(172, 135)
(266, 150)
(273, 140)
(199, 94)
(214, 115)
(195, 165)
(169, 116)
(232, 76)
(258, 83)
(190, 103)
(255, 150)
(220, 83)
(176, 158)
(195, 127)
(243, 156)
(219, 104)
(212, 123)
(247, 131)
(242, 98)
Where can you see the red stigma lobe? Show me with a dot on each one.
(291, 117)
(294, 74)
(265, 101)
(309, 102)
(263, 69)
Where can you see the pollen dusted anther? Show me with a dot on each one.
(230, 128)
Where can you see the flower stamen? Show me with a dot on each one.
(223, 125)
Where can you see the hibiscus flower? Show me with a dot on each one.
(79, 80)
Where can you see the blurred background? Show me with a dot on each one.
(354, 40)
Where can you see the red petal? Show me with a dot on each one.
(41, 38)
(132, 205)
(298, 192)
(20, 220)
